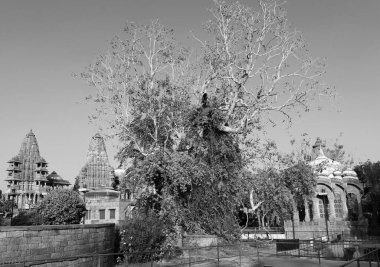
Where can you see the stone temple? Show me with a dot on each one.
(28, 175)
(335, 207)
(97, 172)
(103, 203)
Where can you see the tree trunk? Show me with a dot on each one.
(259, 218)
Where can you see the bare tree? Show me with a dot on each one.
(256, 62)
(142, 87)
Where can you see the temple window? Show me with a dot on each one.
(102, 214)
(112, 213)
(338, 205)
(324, 207)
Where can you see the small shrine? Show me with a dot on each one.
(336, 204)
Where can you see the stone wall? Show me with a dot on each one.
(23, 245)
(199, 240)
(317, 229)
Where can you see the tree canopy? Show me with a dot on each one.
(369, 174)
(188, 116)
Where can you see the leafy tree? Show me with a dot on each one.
(276, 202)
(189, 122)
(300, 180)
(61, 206)
(369, 174)
(76, 184)
(6, 206)
(115, 182)
(253, 63)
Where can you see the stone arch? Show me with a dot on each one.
(325, 202)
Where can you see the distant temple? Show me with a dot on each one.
(28, 175)
(336, 204)
(97, 172)
(103, 203)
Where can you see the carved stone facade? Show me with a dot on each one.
(28, 175)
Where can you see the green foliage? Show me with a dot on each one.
(31, 217)
(6, 206)
(147, 237)
(61, 206)
(76, 184)
(188, 158)
(269, 187)
(300, 180)
(198, 188)
(369, 174)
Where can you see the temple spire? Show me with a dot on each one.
(97, 171)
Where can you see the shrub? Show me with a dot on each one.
(147, 237)
(31, 217)
(62, 206)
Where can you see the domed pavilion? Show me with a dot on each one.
(336, 204)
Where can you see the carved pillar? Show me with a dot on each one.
(307, 215)
(332, 215)
(344, 206)
(316, 213)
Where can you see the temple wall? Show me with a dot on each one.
(95, 205)
(22, 244)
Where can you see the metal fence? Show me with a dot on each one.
(372, 257)
(329, 250)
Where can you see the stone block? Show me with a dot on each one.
(31, 234)
(3, 235)
(15, 234)
(72, 242)
(3, 248)
(59, 238)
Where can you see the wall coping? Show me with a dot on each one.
(54, 227)
(200, 236)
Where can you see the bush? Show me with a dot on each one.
(147, 237)
(31, 217)
(62, 206)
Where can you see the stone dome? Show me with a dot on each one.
(349, 173)
(55, 179)
(325, 166)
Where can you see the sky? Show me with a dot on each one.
(43, 42)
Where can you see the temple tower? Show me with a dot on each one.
(97, 171)
(28, 174)
(27, 166)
